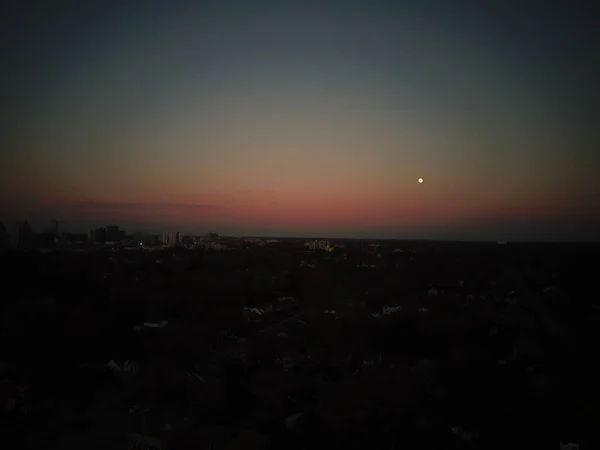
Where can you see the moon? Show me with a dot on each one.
(420, 180)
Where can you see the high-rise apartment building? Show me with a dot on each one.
(21, 235)
(112, 233)
(97, 235)
(52, 227)
(170, 238)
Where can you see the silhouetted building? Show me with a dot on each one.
(170, 237)
(151, 240)
(46, 240)
(97, 235)
(52, 227)
(319, 244)
(21, 235)
(212, 237)
(112, 233)
(4, 237)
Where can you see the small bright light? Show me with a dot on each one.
(420, 180)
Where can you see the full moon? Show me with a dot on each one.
(420, 180)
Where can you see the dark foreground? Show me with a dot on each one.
(374, 345)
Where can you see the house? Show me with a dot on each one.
(137, 441)
(206, 437)
(293, 421)
(333, 314)
(387, 310)
(372, 359)
(181, 434)
(569, 446)
(253, 313)
(247, 440)
(464, 435)
(511, 298)
(156, 324)
(285, 302)
(286, 362)
(19, 399)
(123, 368)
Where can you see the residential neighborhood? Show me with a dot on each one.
(439, 345)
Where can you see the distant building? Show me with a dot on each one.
(21, 235)
(152, 434)
(319, 244)
(4, 237)
(52, 227)
(212, 237)
(151, 240)
(112, 233)
(140, 441)
(387, 310)
(46, 241)
(170, 238)
(97, 235)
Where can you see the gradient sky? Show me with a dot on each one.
(303, 118)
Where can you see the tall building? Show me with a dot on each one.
(170, 238)
(97, 235)
(151, 240)
(52, 227)
(112, 233)
(4, 237)
(21, 235)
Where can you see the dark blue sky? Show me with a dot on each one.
(304, 117)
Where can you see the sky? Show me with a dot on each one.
(300, 118)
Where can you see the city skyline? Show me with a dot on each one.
(304, 120)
